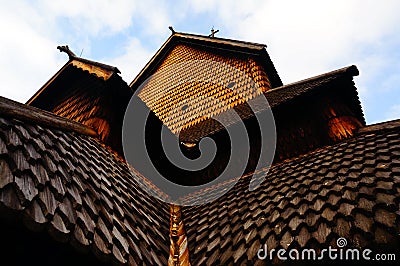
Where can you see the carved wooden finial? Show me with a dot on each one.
(213, 32)
(66, 50)
(171, 29)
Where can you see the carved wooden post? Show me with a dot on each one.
(179, 252)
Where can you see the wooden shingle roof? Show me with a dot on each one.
(80, 192)
(350, 190)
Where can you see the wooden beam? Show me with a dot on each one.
(37, 116)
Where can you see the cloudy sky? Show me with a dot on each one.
(304, 38)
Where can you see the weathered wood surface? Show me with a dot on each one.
(79, 192)
(349, 189)
(36, 116)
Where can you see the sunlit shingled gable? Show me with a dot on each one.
(192, 85)
(192, 79)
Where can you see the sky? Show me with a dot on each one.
(304, 38)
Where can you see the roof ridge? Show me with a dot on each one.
(32, 114)
(350, 70)
(387, 125)
(251, 45)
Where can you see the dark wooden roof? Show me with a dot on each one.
(73, 187)
(280, 95)
(350, 190)
(14, 110)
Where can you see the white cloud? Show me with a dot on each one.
(154, 17)
(133, 59)
(92, 17)
(308, 37)
(26, 57)
(106, 17)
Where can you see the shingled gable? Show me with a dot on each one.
(90, 93)
(192, 78)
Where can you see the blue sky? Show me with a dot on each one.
(304, 38)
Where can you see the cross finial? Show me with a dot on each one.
(213, 32)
